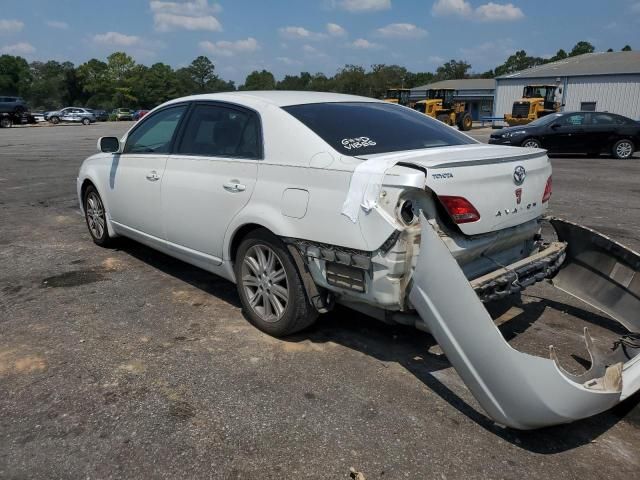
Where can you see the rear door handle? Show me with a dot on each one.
(153, 176)
(234, 187)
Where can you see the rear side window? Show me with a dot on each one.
(363, 128)
(217, 131)
(155, 133)
(607, 119)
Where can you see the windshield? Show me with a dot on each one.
(354, 128)
(545, 120)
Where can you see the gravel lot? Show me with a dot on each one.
(126, 363)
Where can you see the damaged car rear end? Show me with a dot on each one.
(463, 226)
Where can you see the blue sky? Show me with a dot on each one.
(289, 36)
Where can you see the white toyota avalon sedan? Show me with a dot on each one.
(306, 199)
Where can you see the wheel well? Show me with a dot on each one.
(239, 235)
(83, 189)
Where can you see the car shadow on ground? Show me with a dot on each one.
(414, 350)
(201, 279)
(418, 352)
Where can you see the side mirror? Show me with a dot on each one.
(555, 126)
(109, 144)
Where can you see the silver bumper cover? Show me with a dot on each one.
(521, 390)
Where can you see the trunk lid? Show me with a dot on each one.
(485, 175)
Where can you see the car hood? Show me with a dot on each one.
(502, 131)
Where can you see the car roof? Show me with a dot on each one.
(280, 98)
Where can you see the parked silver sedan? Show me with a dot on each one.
(71, 114)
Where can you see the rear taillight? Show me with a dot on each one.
(547, 191)
(460, 209)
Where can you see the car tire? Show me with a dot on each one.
(271, 291)
(531, 143)
(623, 149)
(86, 121)
(95, 215)
(54, 120)
(5, 122)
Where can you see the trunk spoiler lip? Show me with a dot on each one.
(516, 389)
(492, 161)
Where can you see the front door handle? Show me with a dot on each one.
(153, 176)
(234, 187)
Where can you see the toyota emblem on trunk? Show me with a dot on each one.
(519, 174)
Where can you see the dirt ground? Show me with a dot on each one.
(125, 363)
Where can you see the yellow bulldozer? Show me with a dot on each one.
(398, 95)
(537, 101)
(442, 105)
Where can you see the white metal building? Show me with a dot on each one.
(594, 81)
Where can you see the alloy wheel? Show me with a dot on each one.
(531, 144)
(624, 149)
(94, 212)
(265, 283)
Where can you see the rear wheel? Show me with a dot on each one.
(96, 217)
(531, 143)
(86, 121)
(270, 288)
(623, 149)
(5, 122)
(466, 122)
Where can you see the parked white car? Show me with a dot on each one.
(71, 114)
(307, 199)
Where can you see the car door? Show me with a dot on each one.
(135, 177)
(603, 130)
(209, 178)
(568, 133)
(66, 114)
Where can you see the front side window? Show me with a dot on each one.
(217, 131)
(155, 133)
(365, 128)
(575, 119)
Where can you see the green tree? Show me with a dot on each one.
(609, 50)
(516, 62)
(15, 76)
(202, 73)
(418, 79)
(256, 80)
(452, 70)
(626, 48)
(351, 79)
(96, 86)
(381, 77)
(581, 48)
(560, 55)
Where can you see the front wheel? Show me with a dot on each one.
(623, 149)
(5, 122)
(531, 143)
(86, 121)
(96, 217)
(54, 120)
(270, 288)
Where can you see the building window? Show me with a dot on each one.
(588, 106)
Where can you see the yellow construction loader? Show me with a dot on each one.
(537, 101)
(442, 105)
(398, 95)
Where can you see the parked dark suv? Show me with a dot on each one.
(13, 105)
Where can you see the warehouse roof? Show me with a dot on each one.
(602, 63)
(462, 84)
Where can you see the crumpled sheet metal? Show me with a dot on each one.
(516, 389)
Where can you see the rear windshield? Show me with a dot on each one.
(355, 128)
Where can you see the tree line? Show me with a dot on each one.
(121, 82)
